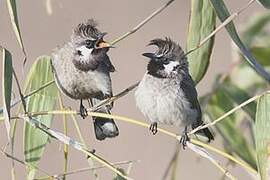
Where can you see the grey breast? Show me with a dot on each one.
(75, 83)
(161, 100)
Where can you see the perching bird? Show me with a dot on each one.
(167, 93)
(82, 71)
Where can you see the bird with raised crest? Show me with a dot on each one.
(167, 93)
(82, 71)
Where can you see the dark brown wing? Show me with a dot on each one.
(190, 93)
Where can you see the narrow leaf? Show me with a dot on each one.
(218, 105)
(254, 27)
(201, 23)
(238, 96)
(223, 14)
(6, 86)
(245, 78)
(262, 136)
(44, 100)
(15, 24)
(265, 3)
(262, 54)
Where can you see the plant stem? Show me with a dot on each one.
(141, 24)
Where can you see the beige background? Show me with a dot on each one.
(42, 33)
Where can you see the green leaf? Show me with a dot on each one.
(201, 23)
(245, 78)
(262, 136)
(44, 100)
(237, 96)
(252, 29)
(262, 54)
(14, 21)
(218, 105)
(265, 3)
(257, 39)
(6, 86)
(223, 14)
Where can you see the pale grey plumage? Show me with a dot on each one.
(82, 71)
(167, 93)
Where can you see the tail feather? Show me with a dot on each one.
(104, 127)
(205, 132)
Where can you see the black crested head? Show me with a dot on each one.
(87, 34)
(168, 49)
(90, 49)
(87, 30)
(168, 59)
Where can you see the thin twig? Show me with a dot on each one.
(90, 169)
(71, 142)
(114, 98)
(23, 163)
(142, 23)
(247, 167)
(172, 162)
(228, 113)
(18, 100)
(89, 160)
(65, 132)
(203, 153)
(226, 155)
(20, 91)
(137, 122)
(225, 23)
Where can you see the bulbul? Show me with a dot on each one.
(167, 93)
(82, 71)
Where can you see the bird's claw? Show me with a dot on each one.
(83, 111)
(183, 140)
(153, 128)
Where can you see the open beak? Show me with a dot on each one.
(149, 55)
(101, 43)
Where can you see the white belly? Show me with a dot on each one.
(76, 83)
(163, 102)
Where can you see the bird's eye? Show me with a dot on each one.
(89, 43)
(166, 61)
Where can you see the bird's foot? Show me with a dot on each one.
(83, 111)
(93, 151)
(184, 138)
(153, 128)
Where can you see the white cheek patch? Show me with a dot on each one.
(169, 67)
(85, 52)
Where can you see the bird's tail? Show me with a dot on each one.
(205, 132)
(104, 127)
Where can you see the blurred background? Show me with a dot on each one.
(46, 24)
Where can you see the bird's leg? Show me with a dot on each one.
(184, 138)
(83, 110)
(153, 128)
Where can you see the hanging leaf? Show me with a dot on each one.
(223, 13)
(44, 100)
(265, 3)
(6, 86)
(201, 23)
(235, 141)
(15, 24)
(238, 96)
(262, 54)
(257, 39)
(254, 27)
(262, 136)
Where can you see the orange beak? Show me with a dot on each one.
(103, 44)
